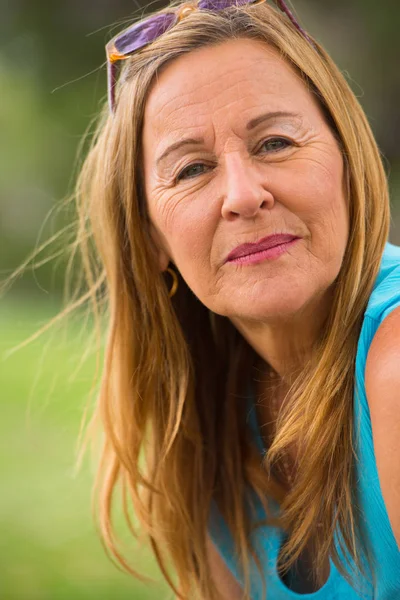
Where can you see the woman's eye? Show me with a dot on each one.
(276, 144)
(191, 171)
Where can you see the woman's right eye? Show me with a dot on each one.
(191, 171)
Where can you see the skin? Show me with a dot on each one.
(382, 382)
(244, 185)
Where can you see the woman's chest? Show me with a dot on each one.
(300, 577)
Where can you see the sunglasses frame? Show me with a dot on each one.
(114, 55)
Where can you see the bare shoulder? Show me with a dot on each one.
(382, 372)
(385, 344)
(382, 385)
(227, 585)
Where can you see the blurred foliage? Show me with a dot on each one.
(49, 548)
(53, 81)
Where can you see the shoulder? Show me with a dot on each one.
(385, 294)
(378, 371)
(383, 360)
(382, 387)
(383, 306)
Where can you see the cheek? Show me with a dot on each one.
(333, 215)
(164, 210)
(329, 236)
(322, 202)
(188, 227)
(194, 235)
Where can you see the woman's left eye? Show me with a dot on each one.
(276, 144)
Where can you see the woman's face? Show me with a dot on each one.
(236, 149)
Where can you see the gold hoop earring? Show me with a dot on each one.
(174, 287)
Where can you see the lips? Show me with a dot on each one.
(263, 244)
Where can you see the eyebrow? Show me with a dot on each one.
(269, 116)
(177, 145)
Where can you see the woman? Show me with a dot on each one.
(240, 211)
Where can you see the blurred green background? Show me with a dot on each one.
(52, 82)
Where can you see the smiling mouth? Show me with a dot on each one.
(262, 246)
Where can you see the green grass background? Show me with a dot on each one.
(49, 549)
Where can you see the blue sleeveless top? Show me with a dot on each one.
(381, 542)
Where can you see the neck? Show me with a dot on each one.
(286, 343)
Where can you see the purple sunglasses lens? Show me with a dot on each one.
(143, 33)
(147, 31)
(221, 4)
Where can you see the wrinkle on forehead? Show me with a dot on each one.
(176, 87)
(214, 91)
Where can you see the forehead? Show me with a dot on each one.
(234, 79)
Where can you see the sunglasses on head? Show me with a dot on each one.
(145, 32)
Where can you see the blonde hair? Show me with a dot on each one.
(171, 395)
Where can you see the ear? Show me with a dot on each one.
(159, 246)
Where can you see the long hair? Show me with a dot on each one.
(174, 377)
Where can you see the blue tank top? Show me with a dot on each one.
(381, 542)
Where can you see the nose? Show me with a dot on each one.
(245, 191)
